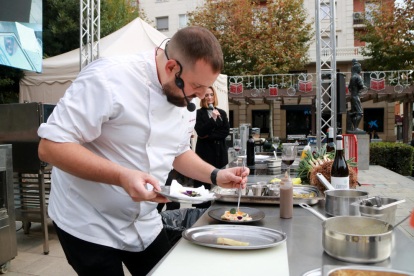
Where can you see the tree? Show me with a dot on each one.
(389, 36)
(257, 40)
(61, 27)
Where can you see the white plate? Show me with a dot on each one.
(165, 191)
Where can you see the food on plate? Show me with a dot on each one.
(236, 215)
(354, 272)
(304, 195)
(225, 241)
(190, 193)
(296, 181)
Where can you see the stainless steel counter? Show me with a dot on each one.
(304, 236)
(304, 240)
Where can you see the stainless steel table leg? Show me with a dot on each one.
(43, 212)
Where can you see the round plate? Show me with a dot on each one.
(254, 213)
(165, 191)
(314, 272)
(257, 237)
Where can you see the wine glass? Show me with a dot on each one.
(275, 143)
(237, 147)
(289, 152)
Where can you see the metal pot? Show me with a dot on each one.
(340, 202)
(355, 239)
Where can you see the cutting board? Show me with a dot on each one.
(191, 259)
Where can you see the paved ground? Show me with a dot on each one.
(31, 260)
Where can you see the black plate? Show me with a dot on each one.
(254, 213)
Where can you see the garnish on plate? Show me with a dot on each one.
(190, 193)
(235, 215)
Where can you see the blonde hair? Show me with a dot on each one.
(204, 103)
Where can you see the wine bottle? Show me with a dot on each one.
(330, 146)
(250, 149)
(339, 171)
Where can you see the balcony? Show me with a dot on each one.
(342, 54)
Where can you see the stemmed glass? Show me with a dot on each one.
(276, 143)
(289, 152)
(237, 147)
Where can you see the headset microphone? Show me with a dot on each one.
(180, 84)
(211, 107)
(190, 106)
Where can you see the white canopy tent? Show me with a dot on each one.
(60, 71)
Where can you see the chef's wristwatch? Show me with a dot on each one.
(214, 176)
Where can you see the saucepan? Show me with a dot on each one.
(355, 239)
(339, 202)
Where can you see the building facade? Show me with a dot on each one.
(293, 114)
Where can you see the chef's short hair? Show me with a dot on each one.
(203, 102)
(192, 44)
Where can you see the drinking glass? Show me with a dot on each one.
(289, 152)
(237, 147)
(275, 143)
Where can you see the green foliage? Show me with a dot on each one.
(61, 31)
(390, 37)
(397, 157)
(256, 39)
(62, 26)
(9, 84)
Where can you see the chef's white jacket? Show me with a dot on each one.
(117, 110)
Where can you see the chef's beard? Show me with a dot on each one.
(171, 90)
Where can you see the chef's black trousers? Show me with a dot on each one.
(90, 259)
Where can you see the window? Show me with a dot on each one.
(327, 41)
(369, 8)
(298, 121)
(325, 11)
(182, 21)
(261, 120)
(374, 119)
(162, 23)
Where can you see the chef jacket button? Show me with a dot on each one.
(149, 144)
(152, 112)
(149, 84)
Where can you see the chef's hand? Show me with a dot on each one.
(215, 114)
(231, 178)
(134, 183)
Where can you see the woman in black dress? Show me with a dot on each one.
(212, 127)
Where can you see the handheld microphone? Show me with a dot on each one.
(211, 107)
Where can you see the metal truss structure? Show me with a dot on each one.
(325, 67)
(90, 28)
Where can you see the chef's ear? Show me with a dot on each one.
(171, 67)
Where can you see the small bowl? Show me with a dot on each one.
(274, 192)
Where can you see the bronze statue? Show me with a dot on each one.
(354, 115)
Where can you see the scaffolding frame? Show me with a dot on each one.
(325, 67)
(90, 29)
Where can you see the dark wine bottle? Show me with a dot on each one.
(250, 149)
(339, 172)
(330, 146)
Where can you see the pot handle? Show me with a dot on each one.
(325, 181)
(313, 211)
